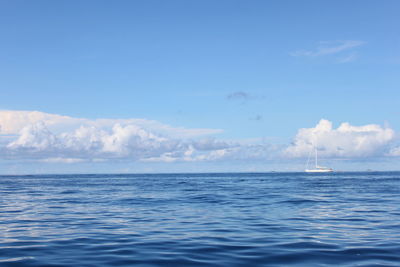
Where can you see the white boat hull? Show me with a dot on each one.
(319, 171)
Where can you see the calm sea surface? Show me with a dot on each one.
(271, 219)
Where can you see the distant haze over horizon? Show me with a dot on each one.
(198, 86)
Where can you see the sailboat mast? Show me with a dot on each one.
(317, 169)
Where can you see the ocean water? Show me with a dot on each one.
(247, 219)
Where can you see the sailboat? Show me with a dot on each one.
(317, 169)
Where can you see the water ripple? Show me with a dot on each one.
(277, 219)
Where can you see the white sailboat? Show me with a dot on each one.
(317, 169)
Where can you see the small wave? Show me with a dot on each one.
(16, 259)
(200, 220)
(300, 201)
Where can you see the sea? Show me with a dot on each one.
(200, 219)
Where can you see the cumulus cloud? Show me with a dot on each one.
(232, 152)
(62, 139)
(12, 122)
(55, 138)
(346, 141)
(29, 135)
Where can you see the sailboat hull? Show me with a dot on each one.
(319, 171)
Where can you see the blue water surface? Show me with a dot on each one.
(247, 219)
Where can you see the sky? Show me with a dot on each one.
(198, 86)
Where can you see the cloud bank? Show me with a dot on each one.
(12, 122)
(54, 138)
(44, 137)
(346, 141)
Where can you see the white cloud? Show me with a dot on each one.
(328, 48)
(12, 122)
(55, 138)
(62, 160)
(36, 136)
(394, 151)
(346, 141)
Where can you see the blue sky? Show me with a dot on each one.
(254, 70)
